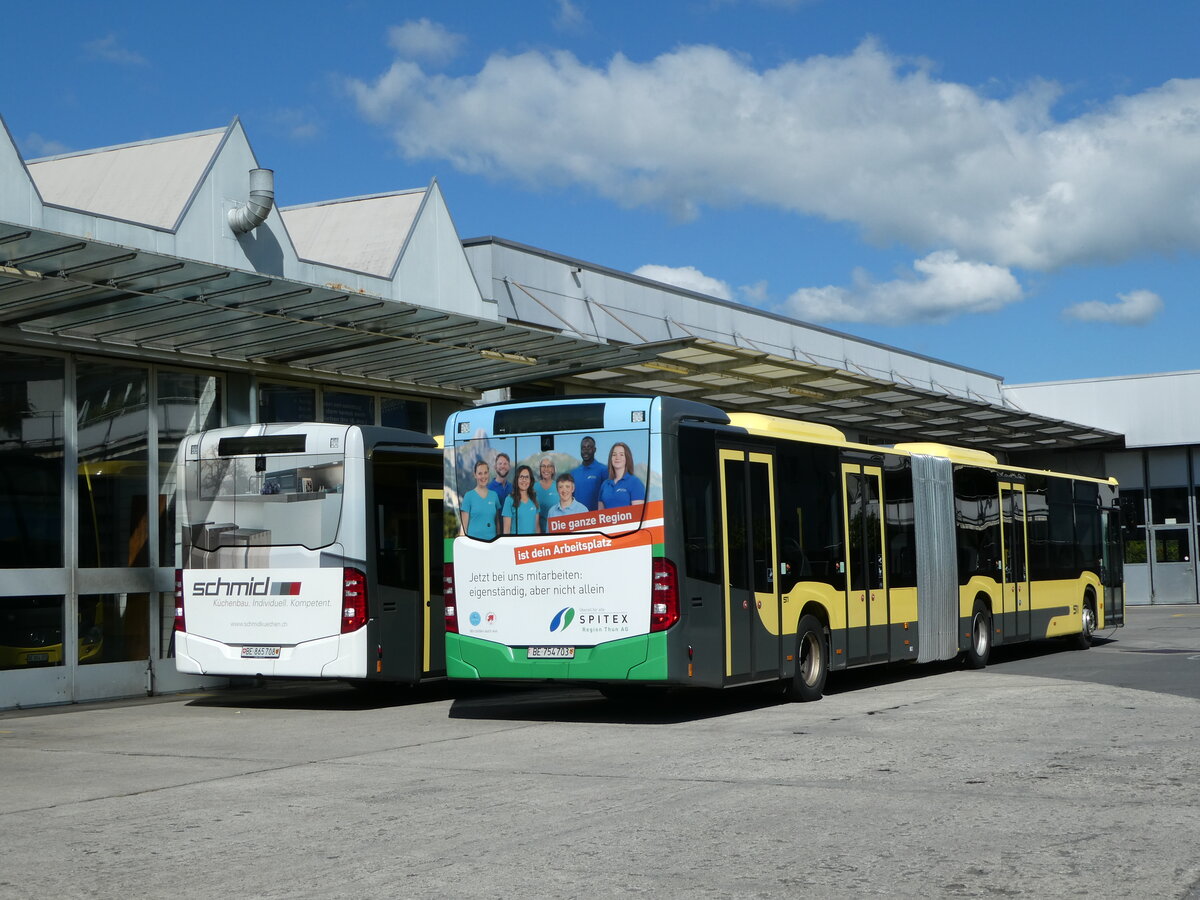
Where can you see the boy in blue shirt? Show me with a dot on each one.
(567, 504)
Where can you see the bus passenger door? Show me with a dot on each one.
(1014, 568)
(433, 558)
(866, 567)
(752, 632)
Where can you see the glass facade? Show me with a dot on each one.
(401, 412)
(118, 628)
(31, 461)
(187, 403)
(112, 423)
(31, 632)
(88, 528)
(1159, 499)
(346, 408)
(286, 403)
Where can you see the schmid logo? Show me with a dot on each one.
(562, 618)
(253, 587)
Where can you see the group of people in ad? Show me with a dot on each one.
(525, 504)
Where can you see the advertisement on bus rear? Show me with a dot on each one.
(555, 530)
(263, 606)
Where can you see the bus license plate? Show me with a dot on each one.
(551, 653)
(260, 653)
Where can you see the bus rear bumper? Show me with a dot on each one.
(336, 656)
(641, 658)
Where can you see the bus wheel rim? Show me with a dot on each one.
(980, 633)
(810, 653)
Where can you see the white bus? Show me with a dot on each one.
(311, 550)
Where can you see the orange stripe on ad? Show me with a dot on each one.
(621, 516)
(578, 546)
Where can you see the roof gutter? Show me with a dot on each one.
(262, 198)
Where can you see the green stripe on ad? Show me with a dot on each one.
(641, 658)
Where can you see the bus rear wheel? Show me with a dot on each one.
(812, 662)
(980, 647)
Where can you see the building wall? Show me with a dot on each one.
(1159, 474)
(1150, 410)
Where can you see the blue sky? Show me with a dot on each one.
(1010, 186)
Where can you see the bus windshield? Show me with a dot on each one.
(275, 500)
(551, 483)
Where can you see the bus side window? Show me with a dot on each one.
(977, 523)
(397, 524)
(900, 522)
(810, 539)
(698, 504)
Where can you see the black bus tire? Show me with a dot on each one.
(1087, 626)
(980, 646)
(812, 661)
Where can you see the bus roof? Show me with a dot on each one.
(811, 432)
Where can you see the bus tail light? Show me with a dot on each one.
(354, 600)
(180, 625)
(448, 598)
(664, 595)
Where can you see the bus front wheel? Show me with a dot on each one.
(812, 661)
(1087, 626)
(980, 647)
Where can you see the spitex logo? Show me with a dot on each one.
(562, 618)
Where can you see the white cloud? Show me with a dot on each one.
(108, 49)
(687, 277)
(755, 294)
(426, 41)
(35, 146)
(943, 287)
(1134, 308)
(866, 138)
(297, 124)
(570, 17)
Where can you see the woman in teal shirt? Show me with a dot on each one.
(480, 507)
(521, 507)
(544, 488)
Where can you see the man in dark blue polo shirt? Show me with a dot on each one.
(589, 474)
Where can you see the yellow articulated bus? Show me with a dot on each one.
(656, 541)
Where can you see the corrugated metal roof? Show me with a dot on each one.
(749, 379)
(149, 183)
(63, 286)
(364, 234)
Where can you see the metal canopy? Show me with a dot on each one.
(890, 411)
(121, 298)
(60, 286)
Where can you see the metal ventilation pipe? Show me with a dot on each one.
(262, 198)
